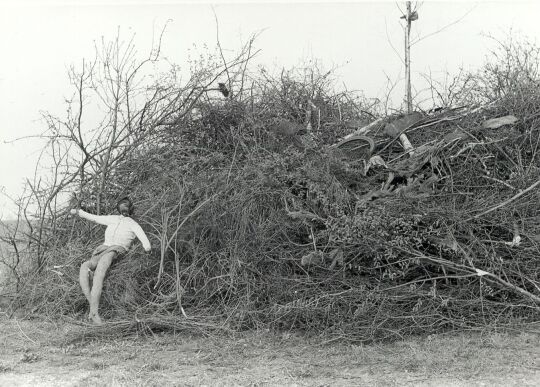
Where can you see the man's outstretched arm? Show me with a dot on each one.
(99, 219)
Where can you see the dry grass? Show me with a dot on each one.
(263, 358)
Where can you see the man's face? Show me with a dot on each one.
(123, 207)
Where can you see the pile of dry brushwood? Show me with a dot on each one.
(413, 223)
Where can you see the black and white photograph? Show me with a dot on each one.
(269, 193)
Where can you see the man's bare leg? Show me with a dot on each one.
(97, 285)
(84, 276)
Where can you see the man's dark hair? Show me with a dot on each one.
(131, 207)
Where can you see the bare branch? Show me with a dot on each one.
(445, 26)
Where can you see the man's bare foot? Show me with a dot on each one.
(95, 318)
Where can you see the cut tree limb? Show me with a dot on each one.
(481, 273)
(407, 146)
(363, 130)
(500, 205)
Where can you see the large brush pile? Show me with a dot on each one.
(253, 226)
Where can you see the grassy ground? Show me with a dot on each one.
(42, 353)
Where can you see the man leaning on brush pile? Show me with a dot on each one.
(120, 232)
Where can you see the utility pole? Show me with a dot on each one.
(409, 17)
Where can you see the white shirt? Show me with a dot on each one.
(121, 230)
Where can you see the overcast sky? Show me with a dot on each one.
(40, 39)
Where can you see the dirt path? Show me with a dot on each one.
(34, 353)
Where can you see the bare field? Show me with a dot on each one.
(40, 353)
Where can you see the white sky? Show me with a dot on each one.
(40, 39)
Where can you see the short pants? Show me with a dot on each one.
(102, 250)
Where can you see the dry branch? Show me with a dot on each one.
(505, 203)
